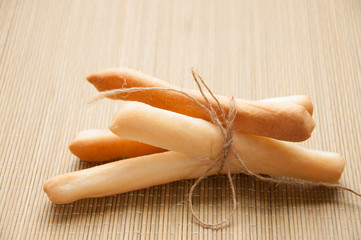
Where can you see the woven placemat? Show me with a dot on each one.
(248, 49)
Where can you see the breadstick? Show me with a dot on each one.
(303, 100)
(96, 145)
(123, 176)
(286, 121)
(160, 168)
(140, 122)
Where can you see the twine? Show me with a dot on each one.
(225, 124)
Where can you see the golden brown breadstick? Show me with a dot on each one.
(140, 122)
(96, 145)
(286, 121)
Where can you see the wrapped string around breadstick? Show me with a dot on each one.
(200, 141)
(97, 145)
(286, 121)
(140, 122)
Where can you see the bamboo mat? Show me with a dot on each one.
(248, 49)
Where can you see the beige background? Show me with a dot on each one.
(249, 49)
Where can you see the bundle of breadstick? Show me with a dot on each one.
(162, 134)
